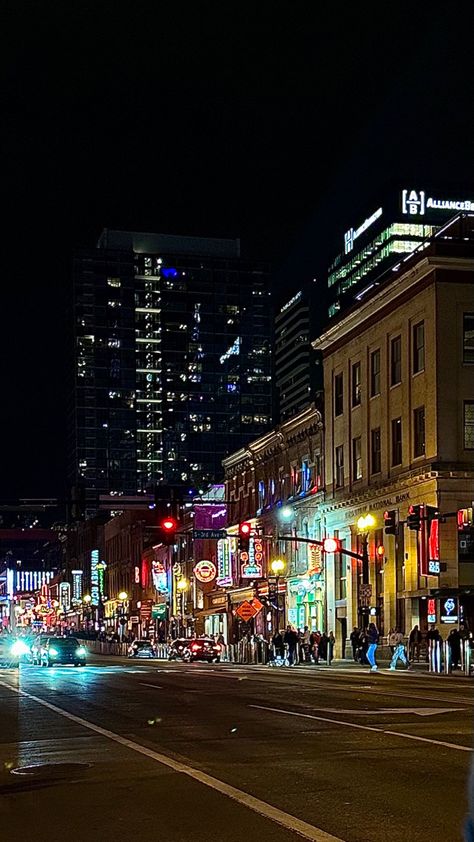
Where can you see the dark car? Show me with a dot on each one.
(63, 650)
(177, 649)
(202, 649)
(141, 649)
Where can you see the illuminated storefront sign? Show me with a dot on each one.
(224, 567)
(432, 610)
(94, 577)
(352, 235)
(205, 571)
(252, 565)
(160, 579)
(31, 580)
(449, 612)
(416, 203)
(76, 585)
(315, 564)
(65, 595)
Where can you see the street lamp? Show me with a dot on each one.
(123, 595)
(182, 586)
(278, 567)
(87, 601)
(286, 513)
(364, 524)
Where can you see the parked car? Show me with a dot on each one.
(63, 650)
(141, 649)
(177, 649)
(202, 649)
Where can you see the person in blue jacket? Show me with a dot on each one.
(373, 639)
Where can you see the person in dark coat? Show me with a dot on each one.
(278, 645)
(291, 639)
(323, 646)
(373, 639)
(354, 639)
(454, 640)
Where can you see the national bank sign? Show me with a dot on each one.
(416, 203)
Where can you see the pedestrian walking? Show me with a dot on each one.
(304, 645)
(355, 642)
(323, 646)
(373, 640)
(314, 639)
(414, 640)
(399, 651)
(291, 640)
(392, 639)
(331, 645)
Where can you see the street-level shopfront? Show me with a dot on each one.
(212, 620)
(305, 602)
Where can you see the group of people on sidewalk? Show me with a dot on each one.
(303, 646)
(364, 644)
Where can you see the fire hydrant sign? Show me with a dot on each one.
(246, 611)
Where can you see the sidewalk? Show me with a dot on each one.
(346, 664)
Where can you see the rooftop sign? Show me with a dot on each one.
(352, 235)
(416, 203)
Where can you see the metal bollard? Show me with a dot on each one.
(447, 658)
(434, 656)
(466, 657)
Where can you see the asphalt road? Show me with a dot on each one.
(185, 753)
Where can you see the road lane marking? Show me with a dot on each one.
(365, 728)
(268, 811)
(416, 711)
(155, 686)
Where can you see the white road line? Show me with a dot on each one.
(307, 831)
(365, 727)
(155, 686)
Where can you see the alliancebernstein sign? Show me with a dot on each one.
(416, 203)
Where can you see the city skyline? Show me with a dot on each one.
(254, 152)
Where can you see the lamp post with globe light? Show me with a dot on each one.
(364, 524)
(182, 586)
(123, 596)
(277, 567)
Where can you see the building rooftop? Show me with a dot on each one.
(146, 243)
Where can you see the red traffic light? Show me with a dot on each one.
(169, 524)
(331, 545)
(245, 530)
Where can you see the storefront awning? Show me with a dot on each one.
(206, 612)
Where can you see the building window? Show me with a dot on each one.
(418, 347)
(375, 451)
(397, 441)
(356, 458)
(375, 373)
(396, 361)
(340, 466)
(338, 394)
(468, 338)
(356, 395)
(419, 431)
(468, 425)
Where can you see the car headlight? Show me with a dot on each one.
(53, 651)
(19, 648)
(81, 651)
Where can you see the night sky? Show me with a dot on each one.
(273, 121)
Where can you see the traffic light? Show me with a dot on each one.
(390, 522)
(167, 528)
(332, 545)
(414, 517)
(245, 530)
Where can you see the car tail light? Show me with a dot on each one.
(195, 648)
(216, 648)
